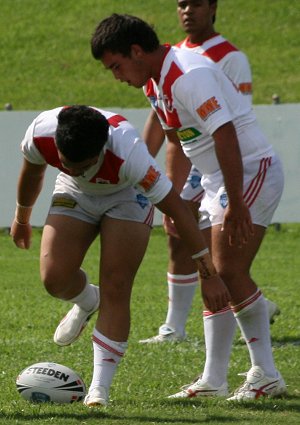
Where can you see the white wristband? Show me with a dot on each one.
(200, 253)
(23, 206)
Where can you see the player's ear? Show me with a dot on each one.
(213, 11)
(136, 51)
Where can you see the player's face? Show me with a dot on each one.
(77, 169)
(128, 69)
(196, 17)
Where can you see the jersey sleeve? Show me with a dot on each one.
(204, 101)
(30, 152)
(236, 66)
(143, 172)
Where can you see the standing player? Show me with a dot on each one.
(102, 160)
(242, 179)
(197, 19)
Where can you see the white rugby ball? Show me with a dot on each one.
(50, 382)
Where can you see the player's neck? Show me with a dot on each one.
(199, 38)
(157, 60)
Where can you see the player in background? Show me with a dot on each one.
(106, 182)
(208, 122)
(197, 20)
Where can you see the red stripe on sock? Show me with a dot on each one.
(247, 302)
(207, 313)
(107, 347)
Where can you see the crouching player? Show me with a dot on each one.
(106, 186)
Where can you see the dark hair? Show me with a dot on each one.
(118, 33)
(81, 132)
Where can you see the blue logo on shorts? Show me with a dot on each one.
(142, 200)
(224, 200)
(194, 181)
(153, 101)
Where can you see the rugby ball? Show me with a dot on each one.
(50, 382)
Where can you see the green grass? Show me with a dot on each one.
(46, 59)
(28, 318)
(46, 62)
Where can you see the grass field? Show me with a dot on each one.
(46, 62)
(28, 318)
(46, 59)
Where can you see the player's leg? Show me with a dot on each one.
(249, 307)
(248, 304)
(123, 244)
(219, 329)
(64, 244)
(234, 266)
(182, 279)
(182, 275)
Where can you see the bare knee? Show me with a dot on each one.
(57, 283)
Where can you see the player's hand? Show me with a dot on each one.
(21, 234)
(170, 227)
(238, 225)
(214, 293)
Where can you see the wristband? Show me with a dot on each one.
(205, 265)
(21, 224)
(23, 206)
(200, 253)
(22, 214)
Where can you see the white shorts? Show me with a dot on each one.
(263, 186)
(192, 190)
(128, 204)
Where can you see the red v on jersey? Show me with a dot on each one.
(108, 172)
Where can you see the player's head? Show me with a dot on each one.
(197, 17)
(117, 34)
(126, 45)
(80, 136)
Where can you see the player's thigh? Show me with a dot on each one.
(123, 245)
(65, 241)
(232, 261)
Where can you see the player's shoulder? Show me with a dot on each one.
(115, 119)
(218, 48)
(46, 122)
(49, 114)
(187, 57)
(122, 134)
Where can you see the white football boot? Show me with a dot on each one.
(258, 385)
(165, 334)
(200, 388)
(97, 397)
(74, 322)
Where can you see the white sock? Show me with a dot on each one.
(87, 298)
(107, 356)
(219, 330)
(181, 289)
(253, 319)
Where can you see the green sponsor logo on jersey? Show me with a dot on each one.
(188, 134)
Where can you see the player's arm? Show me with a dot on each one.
(214, 292)
(153, 133)
(177, 169)
(237, 220)
(178, 165)
(30, 183)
